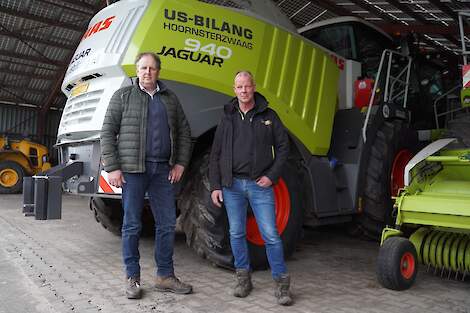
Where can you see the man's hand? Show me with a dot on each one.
(116, 178)
(175, 173)
(264, 182)
(217, 197)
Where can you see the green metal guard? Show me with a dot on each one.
(435, 209)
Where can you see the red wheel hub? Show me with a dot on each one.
(407, 265)
(282, 204)
(398, 170)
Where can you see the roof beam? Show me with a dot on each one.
(374, 10)
(385, 16)
(25, 89)
(15, 96)
(30, 38)
(445, 9)
(44, 20)
(15, 102)
(27, 74)
(421, 29)
(407, 10)
(83, 5)
(87, 12)
(331, 6)
(465, 4)
(32, 58)
(35, 66)
(449, 53)
(418, 17)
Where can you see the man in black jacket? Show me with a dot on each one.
(249, 150)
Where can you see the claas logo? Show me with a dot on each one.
(339, 61)
(99, 26)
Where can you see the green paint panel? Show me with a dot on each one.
(299, 79)
(465, 94)
(389, 232)
(302, 81)
(288, 75)
(436, 220)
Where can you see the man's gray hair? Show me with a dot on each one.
(245, 73)
(158, 62)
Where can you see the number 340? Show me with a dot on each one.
(211, 49)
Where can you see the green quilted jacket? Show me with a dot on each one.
(123, 135)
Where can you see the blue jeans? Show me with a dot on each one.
(162, 202)
(236, 199)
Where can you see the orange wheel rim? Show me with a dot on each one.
(282, 207)
(407, 265)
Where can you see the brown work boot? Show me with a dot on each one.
(133, 290)
(281, 290)
(244, 285)
(172, 284)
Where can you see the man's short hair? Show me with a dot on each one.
(245, 73)
(158, 62)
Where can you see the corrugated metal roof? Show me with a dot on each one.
(37, 40)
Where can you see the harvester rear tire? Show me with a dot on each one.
(390, 139)
(7, 169)
(206, 226)
(108, 212)
(397, 264)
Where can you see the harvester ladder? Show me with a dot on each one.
(396, 85)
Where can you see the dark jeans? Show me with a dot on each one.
(162, 202)
(236, 199)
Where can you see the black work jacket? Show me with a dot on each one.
(270, 145)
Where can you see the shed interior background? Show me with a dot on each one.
(38, 38)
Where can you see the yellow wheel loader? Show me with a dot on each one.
(19, 158)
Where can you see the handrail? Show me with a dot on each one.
(389, 87)
(436, 115)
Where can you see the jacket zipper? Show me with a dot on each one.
(253, 165)
(144, 134)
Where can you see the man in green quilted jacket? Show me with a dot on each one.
(146, 146)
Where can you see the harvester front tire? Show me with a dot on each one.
(390, 140)
(108, 212)
(11, 177)
(397, 264)
(204, 224)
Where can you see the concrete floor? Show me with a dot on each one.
(74, 265)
